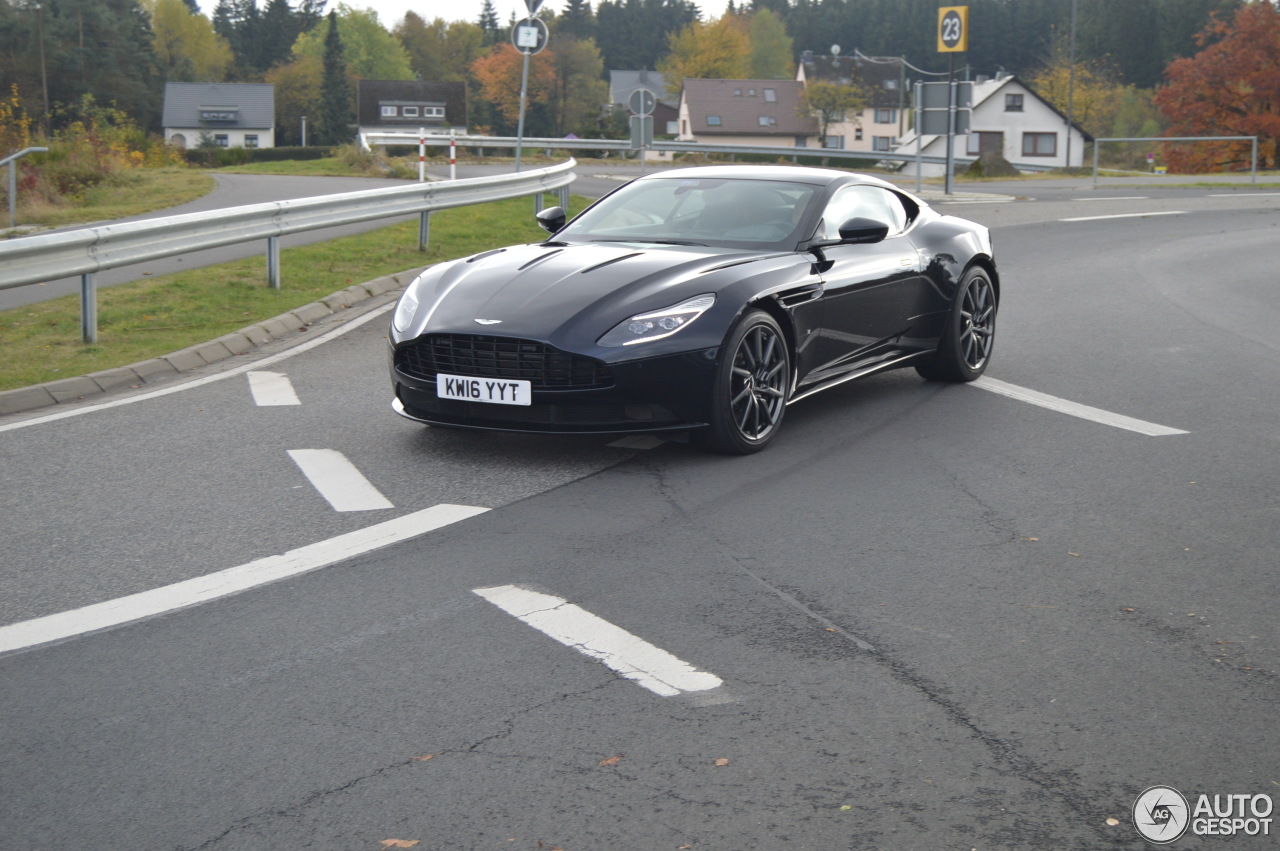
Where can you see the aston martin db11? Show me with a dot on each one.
(701, 299)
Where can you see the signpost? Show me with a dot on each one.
(641, 103)
(953, 38)
(529, 36)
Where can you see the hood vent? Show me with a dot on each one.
(539, 259)
(485, 254)
(611, 262)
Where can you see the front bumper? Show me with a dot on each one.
(667, 393)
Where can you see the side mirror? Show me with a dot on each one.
(857, 231)
(552, 219)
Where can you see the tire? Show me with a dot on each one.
(750, 390)
(969, 336)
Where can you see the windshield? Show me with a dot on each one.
(731, 212)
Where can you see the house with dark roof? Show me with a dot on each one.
(229, 115)
(410, 105)
(746, 112)
(884, 86)
(665, 114)
(1011, 120)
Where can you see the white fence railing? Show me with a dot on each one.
(86, 251)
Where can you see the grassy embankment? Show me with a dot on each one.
(155, 316)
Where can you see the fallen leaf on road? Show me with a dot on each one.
(1113, 821)
(613, 760)
(399, 843)
(1077, 555)
(722, 761)
(424, 757)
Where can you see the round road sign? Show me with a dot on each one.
(529, 36)
(642, 102)
(953, 29)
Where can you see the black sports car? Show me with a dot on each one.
(700, 299)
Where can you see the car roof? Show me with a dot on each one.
(794, 174)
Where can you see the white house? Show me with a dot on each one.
(229, 115)
(1010, 119)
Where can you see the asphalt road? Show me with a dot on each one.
(931, 616)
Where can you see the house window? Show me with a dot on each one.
(885, 116)
(251, 140)
(836, 142)
(770, 96)
(433, 112)
(1039, 144)
(389, 112)
(857, 134)
(219, 116)
(672, 128)
(751, 93)
(891, 85)
(768, 121)
(713, 121)
(802, 142)
(737, 93)
(221, 140)
(1013, 103)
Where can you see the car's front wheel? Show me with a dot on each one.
(750, 394)
(970, 333)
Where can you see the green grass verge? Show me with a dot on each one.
(133, 194)
(155, 316)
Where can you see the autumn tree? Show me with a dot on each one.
(1091, 96)
(498, 73)
(1230, 88)
(832, 103)
(298, 87)
(187, 48)
(719, 50)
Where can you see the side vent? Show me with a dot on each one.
(795, 298)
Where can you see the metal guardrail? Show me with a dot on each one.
(624, 146)
(86, 251)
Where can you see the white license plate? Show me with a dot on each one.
(496, 391)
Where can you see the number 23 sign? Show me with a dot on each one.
(953, 29)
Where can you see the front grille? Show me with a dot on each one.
(544, 367)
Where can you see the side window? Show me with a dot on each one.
(864, 202)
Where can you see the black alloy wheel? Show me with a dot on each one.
(970, 334)
(750, 388)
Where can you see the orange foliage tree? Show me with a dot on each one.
(498, 73)
(1230, 88)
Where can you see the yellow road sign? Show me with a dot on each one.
(953, 29)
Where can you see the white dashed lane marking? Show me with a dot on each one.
(572, 626)
(1075, 409)
(233, 580)
(270, 389)
(1125, 216)
(338, 480)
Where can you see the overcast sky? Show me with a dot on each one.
(390, 12)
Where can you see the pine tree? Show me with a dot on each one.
(335, 106)
(489, 23)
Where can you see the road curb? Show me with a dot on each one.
(163, 368)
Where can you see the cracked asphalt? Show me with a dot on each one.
(943, 618)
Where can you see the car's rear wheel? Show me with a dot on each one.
(750, 394)
(970, 333)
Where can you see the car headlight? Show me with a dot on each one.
(660, 323)
(406, 309)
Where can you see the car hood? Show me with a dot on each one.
(551, 292)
